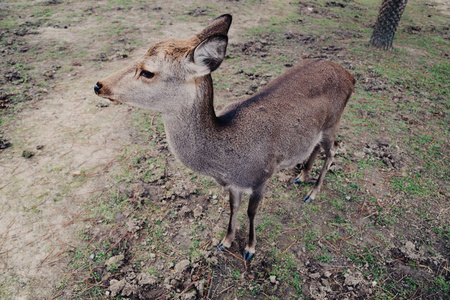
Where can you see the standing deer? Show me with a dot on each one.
(284, 124)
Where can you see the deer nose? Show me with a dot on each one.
(97, 87)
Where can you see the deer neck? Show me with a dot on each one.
(191, 129)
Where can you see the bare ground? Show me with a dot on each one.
(42, 197)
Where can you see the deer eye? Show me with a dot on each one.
(147, 74)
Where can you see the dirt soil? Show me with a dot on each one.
(63, 145)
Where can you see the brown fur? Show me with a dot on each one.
(172, 49)
(284, 124)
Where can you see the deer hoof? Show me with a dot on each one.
(221, 247)
(308, 199)
(297, 180)
(248, 255)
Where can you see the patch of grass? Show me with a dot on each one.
(440, 285)
(310, 239)
(414, 184)
(269, 224)
(284, 268)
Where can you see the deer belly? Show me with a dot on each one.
(300, 155)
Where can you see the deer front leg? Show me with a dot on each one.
(253, 204)
(235, 202)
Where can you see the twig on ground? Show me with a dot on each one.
(42, 261)
(207, 286)
(289, 246)
(235, 255)
(292, 229)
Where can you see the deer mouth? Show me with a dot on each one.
(111, 100)
(104, 93)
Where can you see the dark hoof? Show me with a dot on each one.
(308, 199)
(297, 181)
(248, 255)
(221, 247)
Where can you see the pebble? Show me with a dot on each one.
(273, 279)
(115, 260)
(181, 266)
(198, 211)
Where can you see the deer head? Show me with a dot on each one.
(164, 79)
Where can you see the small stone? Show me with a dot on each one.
(273, 279)
(215, 241)
(181, 266)
(146, 279)
(184, 211)
(213, 260)
(130, 276)
(353, 280)
(348, 198)
(200, 286)
(358, 155)
(192, 295)
(129, 289)
(315, 275)
(134, 225)
(116, 286)
(206, 253)
(117, 260)
(198, 211)
(327, 274)
(326, 285)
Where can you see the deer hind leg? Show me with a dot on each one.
(255, 199)
(235, 202)
(305, 174)
(330, 146)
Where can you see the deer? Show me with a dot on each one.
(285, 124)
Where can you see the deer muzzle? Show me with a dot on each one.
(97, 87)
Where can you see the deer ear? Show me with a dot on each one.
(219, 26)
(209, 54)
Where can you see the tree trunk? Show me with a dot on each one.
(384, 30)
